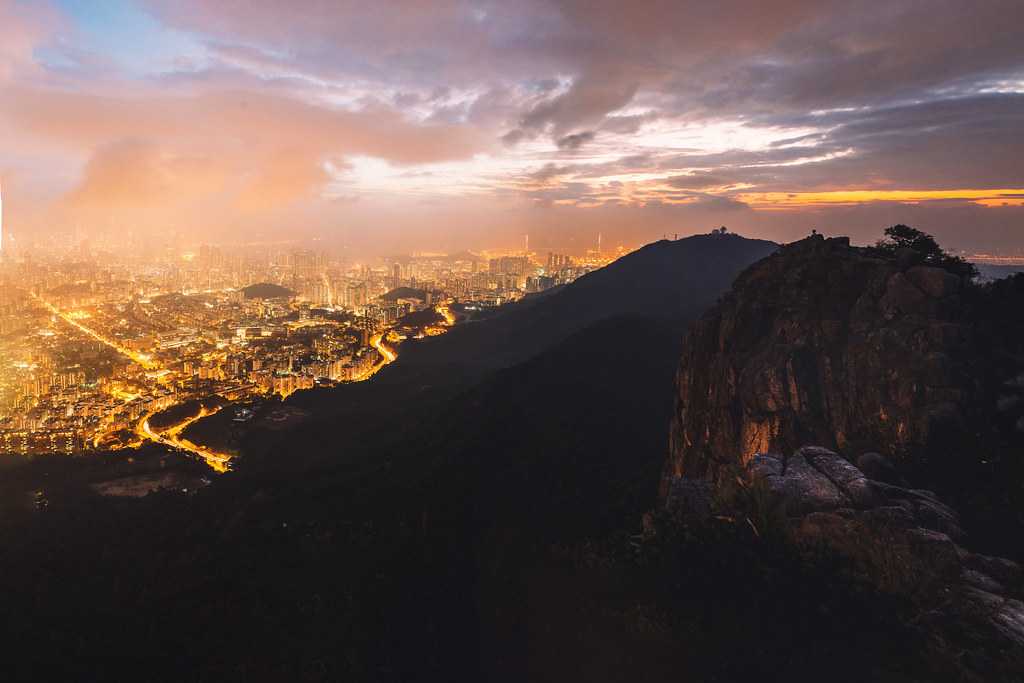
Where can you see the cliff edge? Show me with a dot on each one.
(844, 347)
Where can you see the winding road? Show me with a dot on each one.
(219, 462)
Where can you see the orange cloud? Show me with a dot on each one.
(239, 119)
(138, 174)
(785, 200)
(197, 159)
(289, 175)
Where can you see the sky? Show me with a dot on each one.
(399, 126)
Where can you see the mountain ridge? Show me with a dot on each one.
(836, 346)
(665, 279)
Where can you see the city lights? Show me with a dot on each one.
(97, 345)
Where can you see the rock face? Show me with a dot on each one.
(824, 343)
(911, 372)
(906, 542)
(816, 480)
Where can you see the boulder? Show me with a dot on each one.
(815, 479)
(906, 542)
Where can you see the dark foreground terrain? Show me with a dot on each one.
(484, 509)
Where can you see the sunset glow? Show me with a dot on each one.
(316, 121)
(770, 200)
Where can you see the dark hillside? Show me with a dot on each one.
(404, 293)
(672, 280)
(446, 523)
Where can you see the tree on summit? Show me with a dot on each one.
(903, 237)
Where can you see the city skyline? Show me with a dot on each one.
(470, 124)
(111, 349)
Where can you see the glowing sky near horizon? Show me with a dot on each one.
(472, 122)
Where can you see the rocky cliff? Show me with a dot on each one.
(906, 542)
(830, 344)
(910, 371)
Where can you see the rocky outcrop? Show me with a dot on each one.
(906, 542)
(814, 479)
(830, 344)
(917, 375)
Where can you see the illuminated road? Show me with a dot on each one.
(140, 358)
(171, 437)
(219, 462)
(387, 355)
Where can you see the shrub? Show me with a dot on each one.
(900, 237)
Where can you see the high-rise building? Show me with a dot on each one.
(357, 295)
(509, 265)
(558, 261)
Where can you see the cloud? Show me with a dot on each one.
(586, 103)
(549, 172)
(139, 174)
(696, 58)
(698, 180)
(513, 137)
(967, 142)
(597, 103)
(575, 141)
(213, 157)
(242, 119)
(23, 28)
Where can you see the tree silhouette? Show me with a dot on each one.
(903, 237)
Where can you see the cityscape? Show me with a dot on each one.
(473, 341)
(105, 351)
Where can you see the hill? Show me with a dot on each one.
(267, 290)
(404, 293)
(667, 279)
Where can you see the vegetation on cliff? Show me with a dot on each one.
(905, 241)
